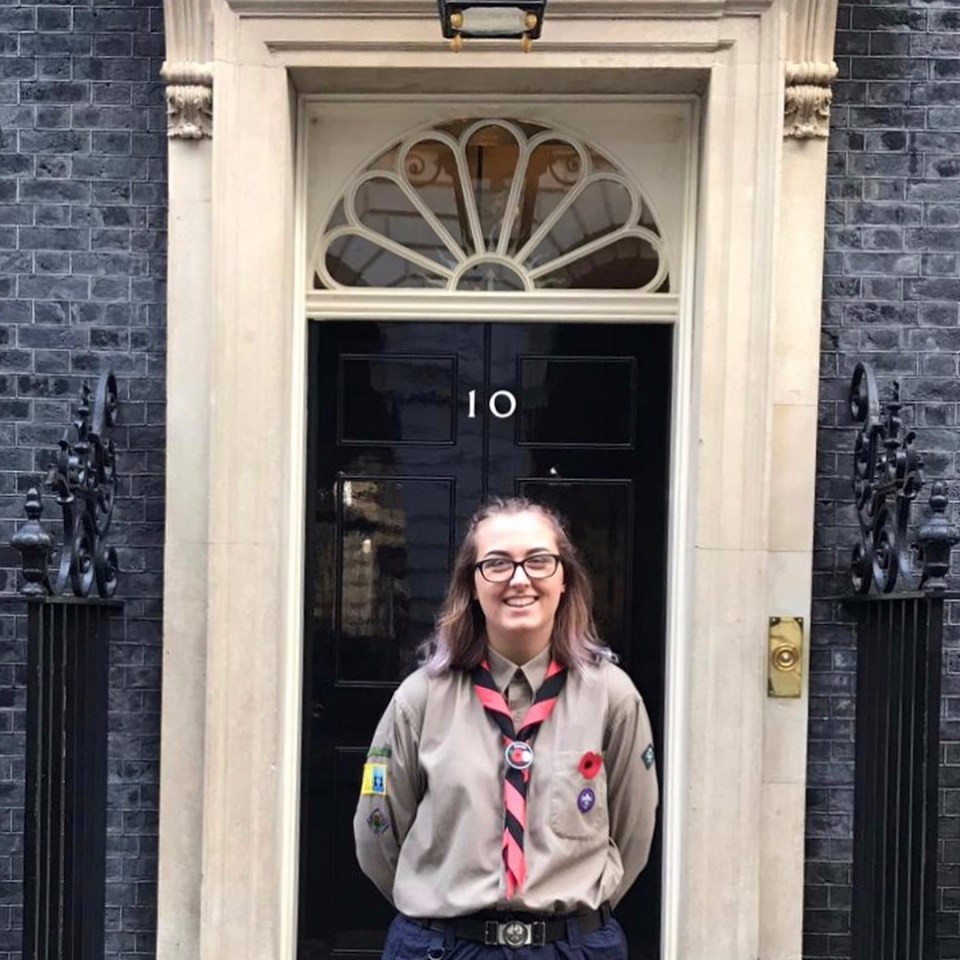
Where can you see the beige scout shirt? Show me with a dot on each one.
(432, 843)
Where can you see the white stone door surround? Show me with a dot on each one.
(236, 380)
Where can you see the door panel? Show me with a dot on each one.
(411, 426)
(557, 410)
(408, 399)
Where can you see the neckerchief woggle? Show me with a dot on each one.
(519, 757)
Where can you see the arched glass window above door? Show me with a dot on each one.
(492, 204)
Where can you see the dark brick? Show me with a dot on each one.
(942, 214)
(56, 191)
(59, 141)
(54, 18)
(935, 45)
(47, 262)
(110, 118)
(110, 168)
(109, 288)
(888, 68)
(932, 289)
(885, 213)
(882, 264)
(865, 118)
(113, 68)
(55, 92)
(14, 263)
(56, 44)
(14, 360)
(113, 45)
(883, 164)
(885, 140)
(112, 142)
(931, 239)
(57, 337)
(50, 215)
(15, 164)
(892, 17)
(53, 288)
(112, 92)
(54, 238)
(54, 68)
(880, 44)
(944, 20)
(939, 265)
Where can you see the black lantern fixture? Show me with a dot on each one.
(491, 20)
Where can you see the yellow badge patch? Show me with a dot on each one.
(374, 780)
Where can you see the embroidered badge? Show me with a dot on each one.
(648, 757)
(377, 821)
(590, 764)
(374, 780)
(586, 800)
(375, 752)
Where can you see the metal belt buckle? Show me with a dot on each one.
(515, 933)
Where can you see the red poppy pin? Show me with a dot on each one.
(590, 764)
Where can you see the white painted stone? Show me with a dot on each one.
(734, 797)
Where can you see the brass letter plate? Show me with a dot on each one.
(785, 666)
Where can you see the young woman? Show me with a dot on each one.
(510, 792)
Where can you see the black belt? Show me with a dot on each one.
(518, 930)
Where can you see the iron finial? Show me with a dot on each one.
(935, 539)
(35, 546)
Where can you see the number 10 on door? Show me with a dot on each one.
(502, 404)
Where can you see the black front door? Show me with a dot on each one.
(411, 425)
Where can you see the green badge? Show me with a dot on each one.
(384, 752)
(377, 821)
(648, 757)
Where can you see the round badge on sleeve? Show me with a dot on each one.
(519, 755)
(586, 800)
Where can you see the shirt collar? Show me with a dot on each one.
(502, 669)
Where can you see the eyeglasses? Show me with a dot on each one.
(500, 569)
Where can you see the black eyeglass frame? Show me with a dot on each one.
(557, 560)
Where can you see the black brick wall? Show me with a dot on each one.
(82, 240)
(82, 234)
(891, 292)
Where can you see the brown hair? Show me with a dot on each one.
(460, 639)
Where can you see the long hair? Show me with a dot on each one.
(461, 639)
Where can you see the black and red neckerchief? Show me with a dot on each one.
(519, 757)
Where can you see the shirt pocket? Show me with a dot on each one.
(578, 806)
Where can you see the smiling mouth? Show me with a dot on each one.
(520, 602)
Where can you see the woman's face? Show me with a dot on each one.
(521, 607)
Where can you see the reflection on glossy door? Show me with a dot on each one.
(404, 444)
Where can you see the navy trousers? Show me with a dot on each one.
(408, 940)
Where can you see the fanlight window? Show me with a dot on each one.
(492, 205)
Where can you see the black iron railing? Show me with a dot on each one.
(899, 645)
(68, 632)
(65, 826)
(899, 664)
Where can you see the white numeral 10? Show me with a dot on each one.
(494, 404)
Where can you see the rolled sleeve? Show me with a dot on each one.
(383, 818)
(633, 793)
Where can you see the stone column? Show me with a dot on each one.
(809, 71)
(189, 77)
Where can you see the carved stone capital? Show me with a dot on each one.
(189, 100)
(811, 26)
(188, 72)
(807, 99)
